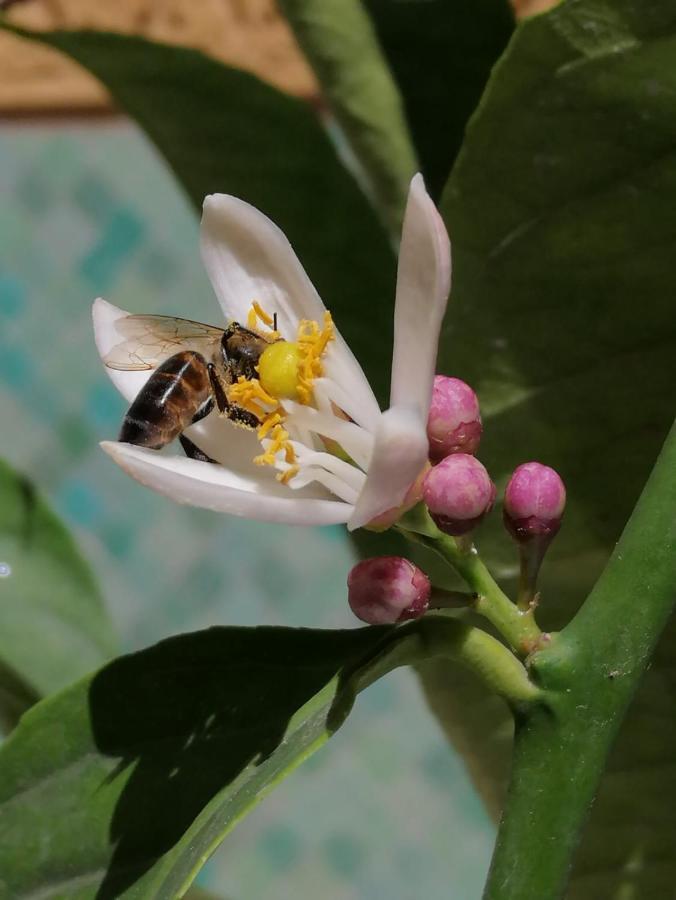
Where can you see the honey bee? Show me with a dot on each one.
(194, 365)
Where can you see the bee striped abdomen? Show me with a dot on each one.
(168, 401)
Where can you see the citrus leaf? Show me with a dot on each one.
(153, 759)
(223, 130)
(341, 45)
(53, 627)
(441, 53)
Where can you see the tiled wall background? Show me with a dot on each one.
(386, 810)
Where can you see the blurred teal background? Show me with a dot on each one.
(386, 810)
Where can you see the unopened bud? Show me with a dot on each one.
(534, 502)
(387, 589)
(454, 422)
(458, 493)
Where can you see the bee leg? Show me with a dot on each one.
(219, 394)
(204, 411)
(192, 451)
(234, 413)
(243, 417)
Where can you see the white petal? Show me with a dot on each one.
(106, 335)
(423, 283)
(342, 369)
(214, 487)
(249, 258)
(399, 454)
(228, 444)
(356, 441)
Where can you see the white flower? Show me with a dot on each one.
(248, 258)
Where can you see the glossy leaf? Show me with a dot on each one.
(441, 53)
(339, 41)
(53, 627)
(154, 758)
(562, 318)
(223, 130)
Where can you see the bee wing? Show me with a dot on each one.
(149, 340)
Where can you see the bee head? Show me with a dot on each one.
(241, 349)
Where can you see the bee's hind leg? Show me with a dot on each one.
(192, 451)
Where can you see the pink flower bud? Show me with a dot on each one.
(387, 589)
(534, 501)
(458, 493)
(454, 423)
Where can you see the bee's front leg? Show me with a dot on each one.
(219, 394)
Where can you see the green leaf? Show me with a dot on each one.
(126, 782)
(559, 209)
(53, 627)
(341, 45)
(441, 53)
(223, 130)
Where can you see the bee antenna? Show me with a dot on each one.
(274, 321)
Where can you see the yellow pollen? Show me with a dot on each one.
(285, 477)
(269, 423)
(312, 343)
(249, 393)
(279, 442)
(256, 314)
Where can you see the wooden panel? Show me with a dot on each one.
(249, 34)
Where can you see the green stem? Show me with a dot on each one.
(441, 636)
(517, 626)
(589, 674)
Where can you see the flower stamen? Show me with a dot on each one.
(268, 424)
(257, 313)
(291, 472)
(279, 443)
(312, 343)
(249, 394)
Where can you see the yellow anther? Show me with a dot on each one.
(256, 314)
(268, 425)
(289, 453)
(312, 342)
(250, 395)
(285, 477)
(265, 317)
(279, 438)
